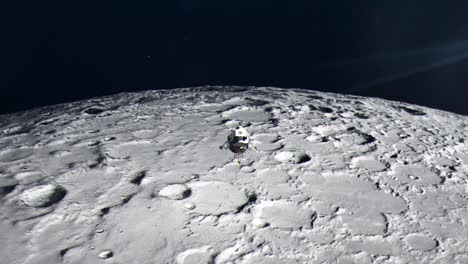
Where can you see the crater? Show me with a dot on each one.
(43, 196)
(255, 102)
(138, 178)
(361, 116)
(411, 110)
(93, 111)
(316, 97)
(325, 109)
(292, 157)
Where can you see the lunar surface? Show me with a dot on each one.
(139, 178)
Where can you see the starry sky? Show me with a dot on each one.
(60, 51)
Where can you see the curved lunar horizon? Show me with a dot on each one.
(139, 178)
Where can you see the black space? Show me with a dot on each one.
(59, 51)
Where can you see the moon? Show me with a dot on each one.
(139, 178)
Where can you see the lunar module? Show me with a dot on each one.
(238, 141)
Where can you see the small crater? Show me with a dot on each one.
(50, 132)
(316, 97)
(126, 199)
(138, 178)
(175, 192)
(411, 110)
(187, 193)
(325, 109)
(312, 107)
(292, 157)
(47, 122)
(105, 211)
(94, 143)
(63, 252)
(251, 199)
(274, 121)
(146, 99)
(361, 116)
(99, 161)
(226, 108)
(268, 109)
(247, 169)
(255, 102)
(43, 196)
(189, 206)
(238, 89)
(93, 111)
(303, 158)
(368, 138)
(259, 223)
(7, 189)
(7, 185)
(20, 130)
(106, 254)
(190, 98)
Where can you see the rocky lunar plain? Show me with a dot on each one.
(139, 178)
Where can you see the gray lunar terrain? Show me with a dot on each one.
(139, 178)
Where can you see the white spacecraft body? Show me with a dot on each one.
(238, 141)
